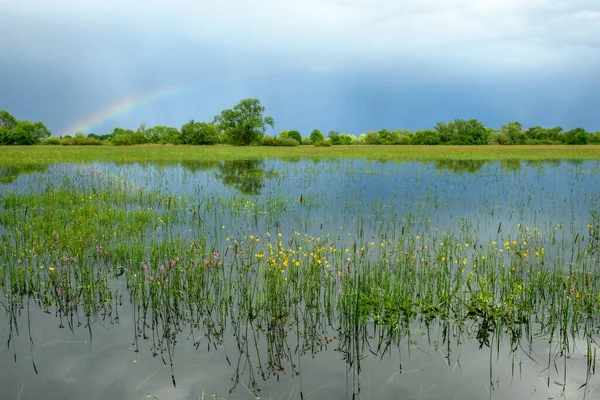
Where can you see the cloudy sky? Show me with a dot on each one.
(348, 65)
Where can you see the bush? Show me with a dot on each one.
(576, 136)
(316, 136)
(346, 139)
(279, 141)
(268, 141)
(323, 143)
(53, 141)
(372, 138)
(403, 140)
(427, 137)
(295, 135)
(361, 139)
(541, 141)
(499, 138)
(80, 141)
(306, 141)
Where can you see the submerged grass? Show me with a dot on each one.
(78, 246)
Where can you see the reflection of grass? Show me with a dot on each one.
(12, 156)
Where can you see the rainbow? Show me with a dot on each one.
(121, 107)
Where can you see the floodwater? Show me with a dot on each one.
(345, 200)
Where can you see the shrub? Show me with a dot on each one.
(293, 134)
(279, 141)
(576, 136)
(403, 140)
(541, 141)
(316, 136)
(498, 138)
(53, 141)
(80, 140)
(426, 136)
(346, 139)
(372, 137)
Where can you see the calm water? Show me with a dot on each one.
(348, 201)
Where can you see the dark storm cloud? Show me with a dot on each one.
(351, 65)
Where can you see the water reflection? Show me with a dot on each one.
(151, 261)
(460, 166)
(297, 356)
(9, 174)
(246, 176)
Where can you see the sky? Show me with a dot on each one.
(346, 65)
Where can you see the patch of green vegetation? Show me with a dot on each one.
(31, 155)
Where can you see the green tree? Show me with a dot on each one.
(540, 135)
(142, 132)
(334, 137)
(576, 136)
(7, 121)
(164, 134)
(284, 134)
(26, 132)
(389, 137)
(513, 131)
(426, 136)
(346, 139)
(119, 137)
(405, 132)
(99, 137)
(372, 137)
(463, 132)
(316, 137)
(244, 124)
(293, 134)
(127, 137)
(199, 133)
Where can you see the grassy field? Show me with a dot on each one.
(28, 155)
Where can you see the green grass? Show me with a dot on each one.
(112, 231)
(32, 155)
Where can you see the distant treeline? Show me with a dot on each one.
(245, 125)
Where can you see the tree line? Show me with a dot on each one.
(245, 124)
(17, 132)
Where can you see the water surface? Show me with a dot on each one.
(347, 203)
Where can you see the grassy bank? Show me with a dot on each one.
(30, 155)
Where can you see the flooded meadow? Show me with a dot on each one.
(300, 279)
